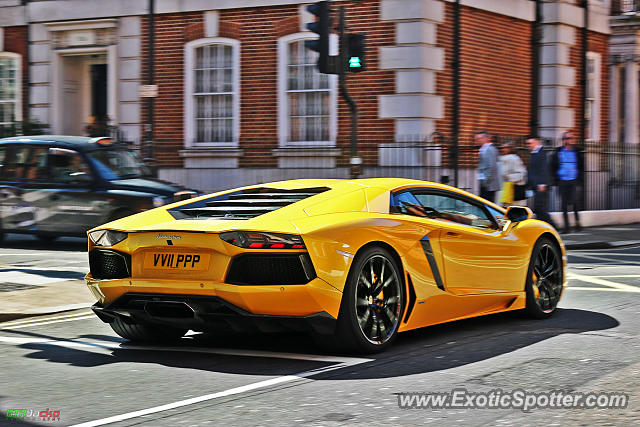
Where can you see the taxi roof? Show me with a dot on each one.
(77, 142)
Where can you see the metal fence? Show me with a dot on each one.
(612, 171)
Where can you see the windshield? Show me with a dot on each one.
(118, 164)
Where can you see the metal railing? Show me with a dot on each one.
(611, 179)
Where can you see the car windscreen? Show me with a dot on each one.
(114, 164)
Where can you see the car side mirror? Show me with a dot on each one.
(516, 214)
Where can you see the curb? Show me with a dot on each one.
(596, 244)
(43, 311)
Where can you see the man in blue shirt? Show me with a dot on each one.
(567, 166)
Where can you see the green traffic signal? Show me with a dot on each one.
(354, 62)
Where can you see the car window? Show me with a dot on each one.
(3, 155)
(501, 218)
(113, 164)
(67, 165)
(35, 167)
(13, 162)
(441, 207)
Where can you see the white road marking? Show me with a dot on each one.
(597, 258)
(340, 362)
(43, 319)
(634, 276)
(603, 282)
(593, 253)
(27, 278)
(580, 288)
(28, 325)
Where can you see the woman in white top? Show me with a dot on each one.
(512, 171)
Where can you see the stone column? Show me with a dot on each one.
(556, 74)
(416, 60)
(631, 109)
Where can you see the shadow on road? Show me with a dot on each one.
(18, 241)
(429, 349)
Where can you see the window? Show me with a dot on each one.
(442, 207)
(212, 67)
(307, 98)
(67, 165)
(10, 88)
(592, 98)
(22, 162)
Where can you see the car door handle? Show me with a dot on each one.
(452, 234)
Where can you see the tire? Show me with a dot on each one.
(146, 332)
(544, 279)
(369, 323)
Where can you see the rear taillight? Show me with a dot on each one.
(255, 240)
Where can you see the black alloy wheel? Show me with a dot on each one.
(372, 303)
(544, 279)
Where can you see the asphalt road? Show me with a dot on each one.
(76, 365)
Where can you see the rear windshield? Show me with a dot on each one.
(115, 164)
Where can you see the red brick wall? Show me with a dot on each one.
(170, 38)
(15, 40)
(495, 74)
(258, 30)
(597, 43)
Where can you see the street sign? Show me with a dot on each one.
(148, 91)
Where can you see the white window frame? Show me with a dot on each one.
(283, 101)
(189, 98)
(19, 88)
(594, 121)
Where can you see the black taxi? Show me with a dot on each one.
(54, 185)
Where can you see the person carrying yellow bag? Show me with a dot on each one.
(514, 175)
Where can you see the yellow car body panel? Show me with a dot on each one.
(483, 270)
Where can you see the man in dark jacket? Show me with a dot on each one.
(567, 166)
(538, 179)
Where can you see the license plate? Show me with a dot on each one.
(176, 261)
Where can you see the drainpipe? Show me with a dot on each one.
(583, 73)
(536, 30)
(150, 152)
(455, 67)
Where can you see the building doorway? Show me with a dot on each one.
(85, 95)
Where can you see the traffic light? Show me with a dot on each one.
(355, 53)
(322, 27)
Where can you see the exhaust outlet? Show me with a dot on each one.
(169, 309)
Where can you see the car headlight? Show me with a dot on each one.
(107, 238)
(159, 201)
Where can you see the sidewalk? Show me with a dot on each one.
(53, 296)
(603, 237)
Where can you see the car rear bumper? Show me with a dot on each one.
(206, 313)
(269, 300)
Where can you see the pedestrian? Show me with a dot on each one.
(567, 166)
(488, 174)
(513, 173)
(538, 179)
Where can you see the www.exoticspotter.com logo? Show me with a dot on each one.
(46, 415)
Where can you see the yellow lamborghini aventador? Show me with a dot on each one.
(360, 260)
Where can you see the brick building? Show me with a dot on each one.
(240, 101)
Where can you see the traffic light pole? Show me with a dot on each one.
(355, 162)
